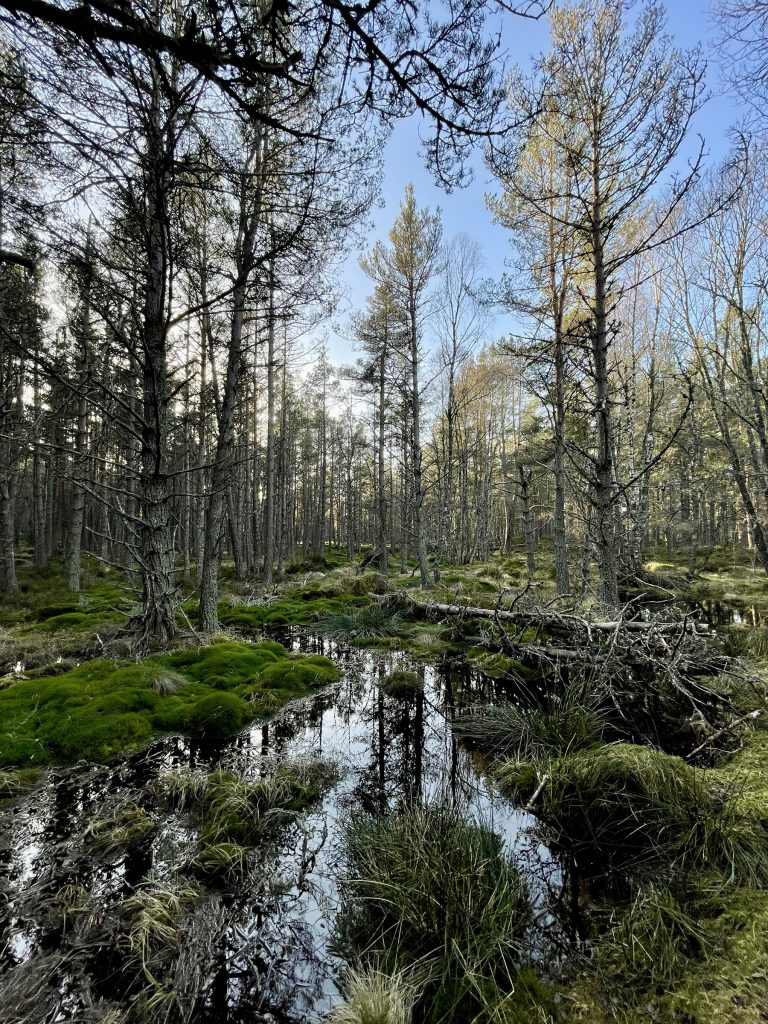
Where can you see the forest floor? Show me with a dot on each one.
(647, 946)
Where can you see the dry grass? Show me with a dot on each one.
(376, 997)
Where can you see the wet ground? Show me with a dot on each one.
(259, 950)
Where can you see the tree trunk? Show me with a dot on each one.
(75, 534)
(269, 496)
(603, 485)
(157, 623)
(381, 493)
(562, 577)
(416, 454)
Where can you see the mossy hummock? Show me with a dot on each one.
(103, 708)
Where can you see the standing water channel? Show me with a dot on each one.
(260, 948)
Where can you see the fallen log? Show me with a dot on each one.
(564, 621)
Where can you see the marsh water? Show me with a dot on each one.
(261, 949)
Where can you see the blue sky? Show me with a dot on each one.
(689, 22)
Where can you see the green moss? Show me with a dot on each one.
(370, 583)
(298, 675)
(237, 663)
(76, 620)
(218, 715)
(102, 708)
(50, 611)
(286, 613)
(44, 604)
(401, 683)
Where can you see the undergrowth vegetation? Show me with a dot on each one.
(669, 860)
(102, 708)
(628, 809)
(236, 813)
(555, 723)
(429, 889)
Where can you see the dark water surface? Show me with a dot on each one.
(258, 950)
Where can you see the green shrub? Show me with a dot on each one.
(312, 563)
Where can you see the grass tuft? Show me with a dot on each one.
(128, 827)
(429, 888)
(369, 622)
(375, 997)
(564, 722)
(651, 942)
(156, 911)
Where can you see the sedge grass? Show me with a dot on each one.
(631, 809)
(574, 719)
(429, 889)
(376, 997)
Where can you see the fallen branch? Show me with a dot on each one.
(537, 792)
(558, 620)
(722, 732)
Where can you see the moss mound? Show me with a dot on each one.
(43, 603)
(631, 808)
(103, 708)
(296, 612)
(218, 715)
(401, 683)
(370, 583)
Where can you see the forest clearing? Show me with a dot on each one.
(383, 615)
